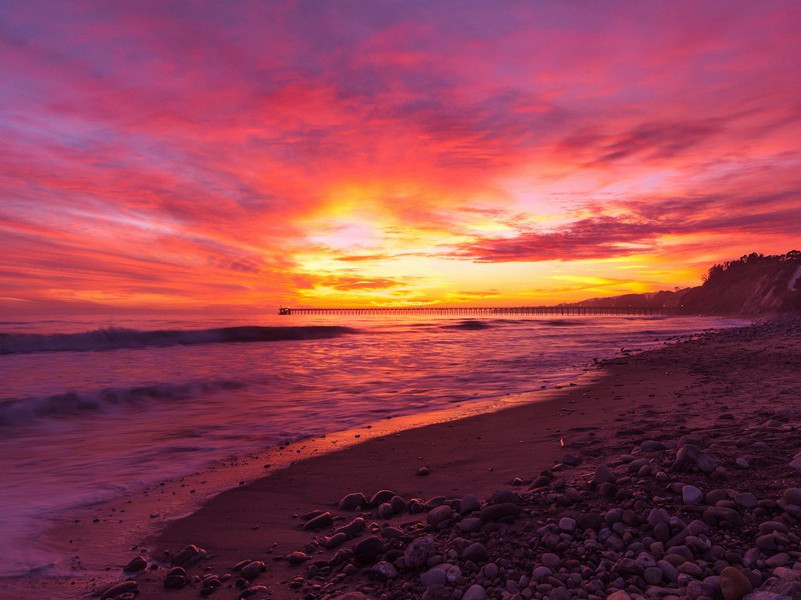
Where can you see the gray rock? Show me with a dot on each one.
(439, 515)
(567, 524)
(352, 501)
(470, 524)
(385, 569)
(792, 496)
(432, 577)
(603, 474)
(496, 512)
(550, 560)
(691, 495)
(136, 565)
(475, 552)
(252, 570)
(385, 510)
(381, 496)
(418, 552)
(490, 570)
(319, 522)
(366, 550)
(469, 504)
(475, 592)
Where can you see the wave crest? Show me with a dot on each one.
(24, 411)
(114, 338)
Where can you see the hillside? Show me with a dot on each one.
(751, 285)
(669, 299)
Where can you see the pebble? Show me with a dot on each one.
(792, 496)
(439, 515)
(119, 589)
(366, 550)
(296, 558)
(475, 552)
(567, 524)
(469, 504)
(252, 570)
(475, 592)
(418, 552)
(136, 565)
(496, 512)
(319, 522)
(691, 495)
(385, 569)
(352, 501)
(733, 584)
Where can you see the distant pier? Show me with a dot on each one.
(487, 311)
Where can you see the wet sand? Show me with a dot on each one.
(752, 374)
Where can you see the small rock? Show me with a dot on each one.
(469, 504)
(252, 570)
(734, 584)
(439, 515)
(432, 577)
(385, 569)
(567, 524)
(475, 552)
(319, 522)
(418, 552)
(423, 471)
(792, 496)
(691, 495)
(118, 589)
(496, 512)
(475, 592)
(297, 558)
(136, 565)
(352, 501)
(603, 474)
(385, 510)
(368, 549)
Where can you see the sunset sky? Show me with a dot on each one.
(232, 155)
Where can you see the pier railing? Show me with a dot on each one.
(474, 311)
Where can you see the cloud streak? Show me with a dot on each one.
(182, 155)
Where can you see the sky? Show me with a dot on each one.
(236, 156)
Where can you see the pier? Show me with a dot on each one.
(484, 311)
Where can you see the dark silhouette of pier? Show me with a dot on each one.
(485, 311)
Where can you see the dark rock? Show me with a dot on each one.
(496, 512)
(136, 565)
(368, 549)
(252, 570)
(118, 589)
(319, 522)
(352, 501)
(380, 497)
(476, 552)
(188, 556)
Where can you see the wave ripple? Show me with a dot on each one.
(114, 338)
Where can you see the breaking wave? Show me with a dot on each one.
(26, 411)
(114, 338)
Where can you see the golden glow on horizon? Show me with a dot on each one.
(368, 155)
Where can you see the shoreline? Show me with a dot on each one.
(720, 387)
(99, 536)
(354, 467)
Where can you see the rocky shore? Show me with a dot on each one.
(690, 491)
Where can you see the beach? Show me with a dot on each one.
(661, 474)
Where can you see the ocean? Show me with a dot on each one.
(93, 408)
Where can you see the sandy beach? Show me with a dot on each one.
(717, 416)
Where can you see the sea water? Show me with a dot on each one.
(92, 408)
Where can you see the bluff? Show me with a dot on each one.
(751, 285)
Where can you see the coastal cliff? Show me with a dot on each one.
(751, 285)
(754, 284)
